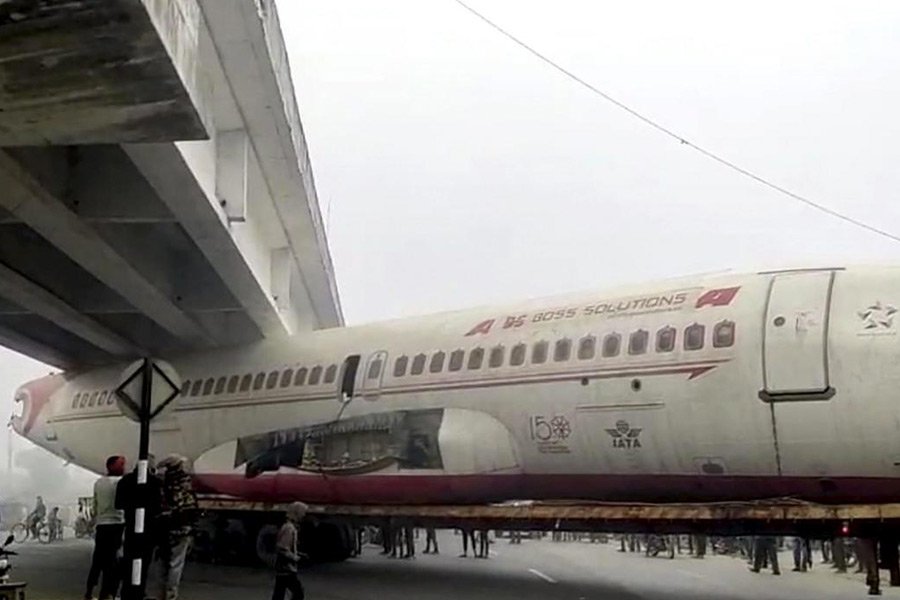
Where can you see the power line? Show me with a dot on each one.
(666, 131)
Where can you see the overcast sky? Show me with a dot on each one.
(454, 169)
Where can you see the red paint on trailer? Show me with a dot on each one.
(479, 489)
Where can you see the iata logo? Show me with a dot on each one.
(625, 436)
(878, 316)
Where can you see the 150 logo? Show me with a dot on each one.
(550, 433)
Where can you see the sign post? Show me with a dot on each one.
(147, 388)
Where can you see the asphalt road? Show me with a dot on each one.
(535, 570)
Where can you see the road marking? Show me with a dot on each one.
(546, 578)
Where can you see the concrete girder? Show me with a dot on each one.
(25, 198)
(248, 41)
(166, 169)
(39, 301)
(23, 344)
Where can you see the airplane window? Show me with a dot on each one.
(517, 356)
(539, 353)
(84, 399)
(286, 376)
(587, 348)
(665, 339)
(233, 384)
(437, 362)
(102, 400)
(315, 375)
(258, 381)
(93, 398)
(112, 398)
(186, 387)
(208, 386)
(418, 366)
(400, 366)
(456, 359)
(330, 373)
(75, 400)
(563, 350)
(723, 334)
(374, 369)
(196, 387)
(693, 336)
(611, 344)
(637, 342)
(496, 357)
(246, 380)
(220, 385)
(476, 357)
(300, 376)
(272, 380)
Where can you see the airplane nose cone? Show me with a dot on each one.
(30, 402)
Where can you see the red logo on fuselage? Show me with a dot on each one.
(720, 297)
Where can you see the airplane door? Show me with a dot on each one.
(795, 340)
(348, 378)
(374, 375)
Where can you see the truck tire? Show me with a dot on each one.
(265, 544)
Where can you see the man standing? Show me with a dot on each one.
(287, 558)
(765, 551)
(108, 532)
(801, 555)
(431, 541)
(177, 520)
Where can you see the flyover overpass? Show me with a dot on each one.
(156, 193)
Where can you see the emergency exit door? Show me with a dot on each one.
(795, 352)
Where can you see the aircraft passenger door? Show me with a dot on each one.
(348, 378)
(795, 343)
(374, 375)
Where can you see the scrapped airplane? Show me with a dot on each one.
(759, 385)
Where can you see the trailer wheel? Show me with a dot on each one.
(265, 544)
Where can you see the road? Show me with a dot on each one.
(535, 570)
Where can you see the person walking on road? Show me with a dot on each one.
(468, 536)
(177, 518)
(801, 555)
(288, 557)
(484, 541)
(431, 541)
(766, 551)
(110, 522)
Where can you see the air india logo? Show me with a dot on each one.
(625, 436)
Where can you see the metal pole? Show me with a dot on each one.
(140, 537)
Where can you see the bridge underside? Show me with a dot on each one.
(157, 194)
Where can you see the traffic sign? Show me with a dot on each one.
(164, 384)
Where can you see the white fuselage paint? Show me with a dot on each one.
(793, 376)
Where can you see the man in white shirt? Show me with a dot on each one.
(110, 524)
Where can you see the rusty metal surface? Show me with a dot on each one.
(764, 510)
(88, 71)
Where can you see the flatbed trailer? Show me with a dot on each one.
(782, 516)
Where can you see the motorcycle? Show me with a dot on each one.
(5, 567)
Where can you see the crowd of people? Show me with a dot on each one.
(168, 518)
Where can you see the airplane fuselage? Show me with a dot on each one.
(709, 388)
